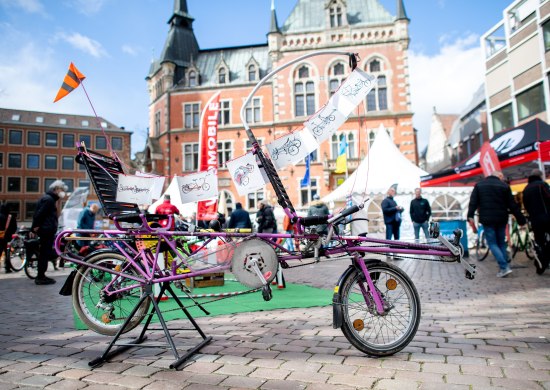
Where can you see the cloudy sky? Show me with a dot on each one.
(113, 41)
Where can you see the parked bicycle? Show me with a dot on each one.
(16, 249)
(522, 239)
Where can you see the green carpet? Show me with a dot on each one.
(293, 296)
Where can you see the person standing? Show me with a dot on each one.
(8, 224)
(318, 209)
(44, 224)
(420, 214)
(167, 208)
(493, 200)
(266, 219)
(239, 219)
(536, 200)
(392, 215)
(86, 220)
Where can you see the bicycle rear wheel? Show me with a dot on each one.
(482, 248)
(380, 334)
(17, 258)
(102, 313)
(31, 268)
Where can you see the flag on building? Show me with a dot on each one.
(72, 79)
(342, 159)
(305, 182)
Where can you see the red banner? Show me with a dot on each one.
(488, 159)
(208, 152)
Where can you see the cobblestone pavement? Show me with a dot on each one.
(486, 333)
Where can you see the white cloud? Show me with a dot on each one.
(446, 80)
(84, 44)
(133, 51)
(87, 7)
(30, 6)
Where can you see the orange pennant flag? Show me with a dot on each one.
(71, 81)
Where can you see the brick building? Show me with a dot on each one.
(184, 77)
(37, 148)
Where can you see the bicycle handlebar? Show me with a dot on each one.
(314, 220)
(350, 210)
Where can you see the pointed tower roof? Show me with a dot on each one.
(181, 45)
(401, 13)
(274, 27)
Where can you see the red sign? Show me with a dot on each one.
(488, 159)
(208, 152)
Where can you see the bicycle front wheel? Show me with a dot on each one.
(103, 313)
(482, 248)
(380, 334)
(17, 258)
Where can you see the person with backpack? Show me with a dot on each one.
(266, 219)
(318, 209)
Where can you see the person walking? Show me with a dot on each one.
(421, 212)
(239, 218)
(536, 200)
(392, 215)
(317, 209)
(167, 208)
(493, 200)
(44, 224)
(266, 219)
(8, 225)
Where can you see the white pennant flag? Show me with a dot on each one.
(135, 189)
(291, 148)
(352, 91)
(198, 186)
(246, 173)
(158, 186)
(325, 122)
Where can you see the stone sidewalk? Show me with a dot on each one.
(487, 333)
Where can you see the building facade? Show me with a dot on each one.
(517, 65)
(37, 148)
(182, 80)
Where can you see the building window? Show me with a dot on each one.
(191, 115)
(14, 160)
(84, 183)
(100, 142)
(87, 139)
(50, 162)
(190, 157)
(304, 93)
(377, 98)
(32, 184)
(193, 82)
(224, 153)
(62, 121)
(47, 183)
(530, 102)
(336, 77)
(307, 193)
(16, 137)
(85, 123)
(335, 16)
(33, 138)
(51, 140)
(253, 199)
(33, 161)
(14, 208)
(116, 143)
(1, 136)
(70, 184)
(67, 163)
(251, 72)
(502, 118)
(16, 117)
(253, 111)
(351, 145)
(222, 76)
(14, 184)
(30, 208)
(224, 115)
(68, 141)
(39, 119)
(157, 123)
(546, 35)
(372, 136)
(374, 66)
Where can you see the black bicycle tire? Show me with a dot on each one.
(485, 251)
(530, 255)
(31, 268)
(22, 256)
(413, 300)
(86, 315)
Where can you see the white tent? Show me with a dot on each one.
(186, 209)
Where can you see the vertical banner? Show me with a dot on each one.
(488, 159)
(208, 152)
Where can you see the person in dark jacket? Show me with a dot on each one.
(240, 219)
(266, 219)
(316, 209)
(9, 226)
(493, 200)
(392, 215)
(86, 220)
(420, 214)
(536, 200)
(44, 223)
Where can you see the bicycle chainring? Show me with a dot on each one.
(243, 258)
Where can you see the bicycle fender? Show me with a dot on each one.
(67, 288)
(337, 316)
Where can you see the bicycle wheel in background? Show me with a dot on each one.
(101, 313)
(530, 249)
(31, 267)
(482, 249)
(17, 257)
(373, 333)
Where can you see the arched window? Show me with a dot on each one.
(372, 136)
(377, 98)
(445, 207)
(336, 77)
(193, 82)
(222, 74)
(304, 93)
(251, 72)
(351, 145)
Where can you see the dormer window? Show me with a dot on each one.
(15, 117)
(193, 78)
(335, 16)
(62, 121)
(336, 13)
(222, 76)
(252, 72)
(39, 119)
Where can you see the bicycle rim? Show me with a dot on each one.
(374, 334)
(107, 316)
(31, 268)
(17, 258)
(482, 248)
